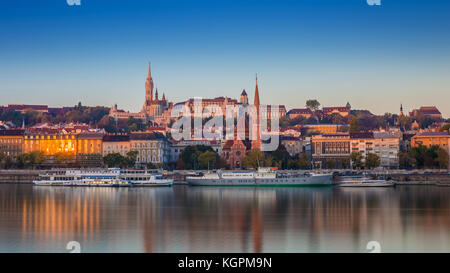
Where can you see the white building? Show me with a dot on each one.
(387, 146)
(151, 147)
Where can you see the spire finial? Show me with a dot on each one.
(149, 70)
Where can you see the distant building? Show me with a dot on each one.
(155, 109)
(177, 147)
(244, 99)
(116, 143)
(89, 148)
(24, 108)
(430, 111)
(293, 145)
(234, 152)
(343, 111)
(330, 147)
(428, 139)
(151, 147)
(321, 128)
(11, 142)
(158, 109)
(387, 147)
(362, 142)
(118, 114)
(299, 112)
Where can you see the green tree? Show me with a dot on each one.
(116, 160)
(372, 161)
(354, 126)
(356, 158)
(189, 156)
(442, 158)
(207, 160)
(312, 104)
(130, 159)
(253, 159)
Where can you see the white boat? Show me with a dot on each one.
(261, 177)
(145, 178)
(112, 177)
(364, 182)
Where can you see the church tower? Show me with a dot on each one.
(256, 143)
(244, 98)
(149, 87)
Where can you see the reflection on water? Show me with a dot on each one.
(224, 219)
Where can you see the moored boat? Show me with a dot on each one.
(364, 182)
(112, 177)
(261, 177)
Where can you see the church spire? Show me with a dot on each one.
(149, 86)
(156, 94)
(256, 101)
(256, 143)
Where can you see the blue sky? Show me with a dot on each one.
(375, 57)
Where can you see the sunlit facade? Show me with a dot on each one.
(50, 144)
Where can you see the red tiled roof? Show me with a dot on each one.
(331, 109)
(300, 111)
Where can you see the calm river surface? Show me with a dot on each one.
(224, 219)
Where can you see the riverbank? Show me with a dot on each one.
(400, 177)
(19, 176)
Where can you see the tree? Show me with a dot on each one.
(354, 127)
(330, 163)
(130, 159)
(116, 160)
(312, 104)
(113, 160)
(372, 161)
(405, 161)
(356, 158)
(300, 161)
(428, 157)
(345, 162)
(5, 160)
(207, 160)
(444, 128)
(189, 156)
(63, 158)
(442, 158)
(108, 124)
(278, 158)
(253, 159)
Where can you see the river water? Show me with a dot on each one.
(224, 219)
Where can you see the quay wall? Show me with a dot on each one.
(18, 176)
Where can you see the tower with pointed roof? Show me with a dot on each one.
(256, 143)
(154, 108)
(149, 86)
(244, 98)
